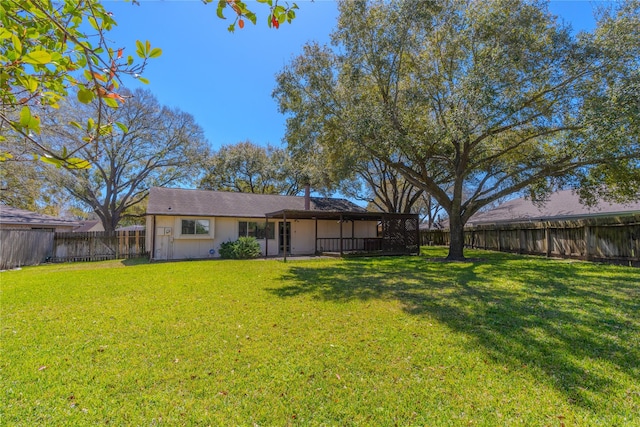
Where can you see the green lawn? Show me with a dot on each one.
(406, 341)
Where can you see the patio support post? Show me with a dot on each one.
(418, 234)
(266, 236)
(353, 235)
(341, 248)
(284, 234)
(316, 236)
(152, 253)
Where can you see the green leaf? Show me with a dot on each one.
(37, 57)
(85, 95)
(28, 82)
(56, 162)
(110, 102)
(94, 23)
(140, 50)
(105, 130)
(155, 52)
(5, 156)
(17, 44)
(221, 5)
(251, 17)
(4, 33)
(143, 80)
(25, 116)
(122, 127)
(77, 163)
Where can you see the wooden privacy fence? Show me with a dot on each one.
(98, 246)
(24, 247)
(614, 239)
(31, 247)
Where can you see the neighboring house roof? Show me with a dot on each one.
(86, 226)
(20, 217)
(561, 205)
(131, 228)
(178, 201)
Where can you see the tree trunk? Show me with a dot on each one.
(456, 244)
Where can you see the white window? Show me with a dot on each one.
(194, 227)
(259, 230)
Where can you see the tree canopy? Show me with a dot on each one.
(152, 145)
(249, 168)
(497, 97)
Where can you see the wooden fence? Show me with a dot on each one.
(24, 247)
(98, 246)
(31, 247)
(613, 239)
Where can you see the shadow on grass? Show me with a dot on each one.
(570, 321)
(135, 261)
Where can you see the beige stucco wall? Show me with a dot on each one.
(171, 245)
(175, 246)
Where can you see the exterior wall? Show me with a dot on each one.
(361, 229)
(227, 231)
(303, 233)
(302, 237)
(169, 244)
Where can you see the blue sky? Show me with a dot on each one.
(225, 80)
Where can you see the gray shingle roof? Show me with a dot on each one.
(14, 216)
(561, 205)
(178, 201)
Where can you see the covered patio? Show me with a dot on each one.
(397, 234)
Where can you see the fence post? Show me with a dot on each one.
(587, 238)
(547, 241)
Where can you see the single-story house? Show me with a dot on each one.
(14, 218)
(560, 206)
(192, 224)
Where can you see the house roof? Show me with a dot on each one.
(131, 228)
(90, 225)
(561, 205)
(21, 217)
(178, 201)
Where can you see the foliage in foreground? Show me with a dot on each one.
(46, 49)
(371, 341)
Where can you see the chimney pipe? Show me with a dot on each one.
(307, 197)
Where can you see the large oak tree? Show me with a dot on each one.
(496, 97)
(152, 145)
(249, 168)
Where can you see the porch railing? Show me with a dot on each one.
(349, 244)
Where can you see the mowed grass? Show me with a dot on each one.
(407, 341)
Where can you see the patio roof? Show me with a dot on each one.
(335, 215)
(400, 232)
